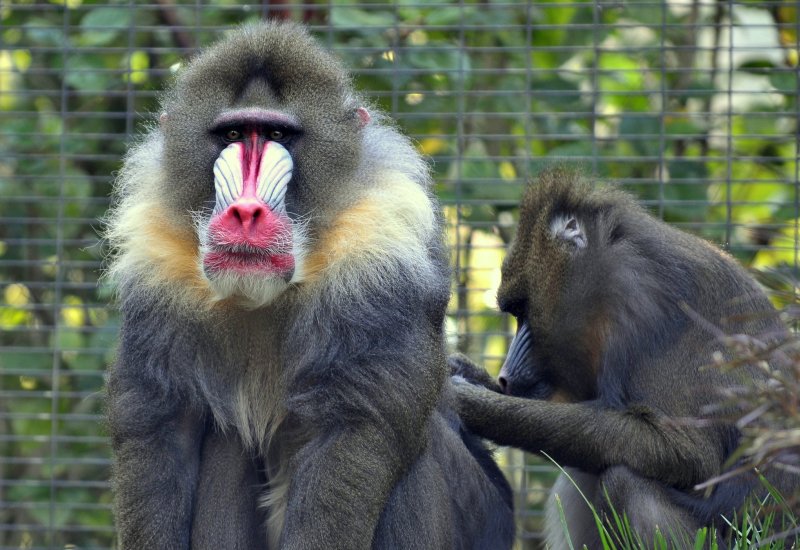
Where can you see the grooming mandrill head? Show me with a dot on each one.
(591, 278)
(263, 174)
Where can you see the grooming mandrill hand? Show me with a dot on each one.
(464, 371)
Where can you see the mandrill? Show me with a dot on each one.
(608, 372)
(282, 378)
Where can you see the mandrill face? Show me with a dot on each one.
(264, 179)
(260, 154)
(250, 247)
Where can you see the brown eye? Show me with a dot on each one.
(233, 135)
(276, 135)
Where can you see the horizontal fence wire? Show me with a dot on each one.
(691, 105)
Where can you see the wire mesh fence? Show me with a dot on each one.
(690, 104)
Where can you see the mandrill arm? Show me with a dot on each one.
(156, 438)
(364, 394)
(342, 503)
(591, 437)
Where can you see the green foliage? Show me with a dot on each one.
(766, 523)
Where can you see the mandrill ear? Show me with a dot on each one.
(363, 116)
(567, 228)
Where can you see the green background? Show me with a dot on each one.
(691, 105)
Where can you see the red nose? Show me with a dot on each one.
(247, 222)
(247, 217)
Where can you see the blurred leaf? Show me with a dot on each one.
(42, 32)
(444, 15)
(450, 60)
(84, 72)
(748, 132)
(354, 17)
(507, 171)
(623, 74)
(476, 163)
(102, 25)
(642, 131)
(138, 63)
(11, 317)
(431, 146)
(688, 169)
(757, 66)
(784, 81)
(9, 81)
(785, 13)
(699, 87)
(557, 91)
(576, 149)
(22, 360)
(682, 126)
(22, 59)
(649, 14)
(783, 249)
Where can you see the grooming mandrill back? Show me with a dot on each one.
(283, 282)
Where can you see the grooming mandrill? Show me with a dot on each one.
(607, 365)
(283, 282)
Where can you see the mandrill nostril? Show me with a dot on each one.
(248, 215)
(503, 384)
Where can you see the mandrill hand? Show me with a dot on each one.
(475, 404)
(465, 372)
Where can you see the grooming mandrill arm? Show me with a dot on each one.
(590, 437)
